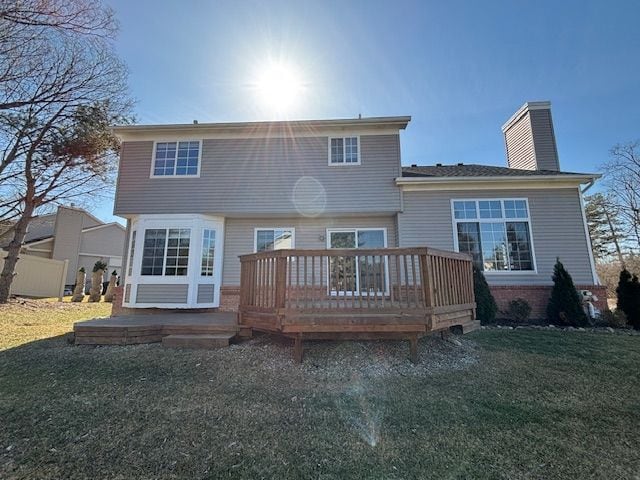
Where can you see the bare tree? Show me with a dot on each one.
(622, 179)
(55, 139)
(30, 31)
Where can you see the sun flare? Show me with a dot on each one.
(279, 87)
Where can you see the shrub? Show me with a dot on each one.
(629, 297)
(519, 310)
(486, 307)
(615, 319)
(565, 306)
(99, 265)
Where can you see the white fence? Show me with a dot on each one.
(38, 277)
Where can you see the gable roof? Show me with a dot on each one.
(474, 170)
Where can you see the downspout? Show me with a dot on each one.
(592, 262)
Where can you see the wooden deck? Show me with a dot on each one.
(150, 328)
(356, 293)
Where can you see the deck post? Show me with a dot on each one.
(413, 348)
(427, 285)
(297, 349)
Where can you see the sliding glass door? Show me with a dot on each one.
(358, 274)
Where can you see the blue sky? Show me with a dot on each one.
(459, 68)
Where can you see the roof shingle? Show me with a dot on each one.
(472, 170)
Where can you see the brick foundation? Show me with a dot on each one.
(229, 299)
(538, 297)
(116, 305)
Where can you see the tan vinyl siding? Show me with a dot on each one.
(205, 293)
(243, 177)
(107, 241)
(149, 293)
(544, 140)
(66, 246)
(519, 143)
(556, 223)
(309, 233)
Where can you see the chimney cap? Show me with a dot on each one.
(438, 164)
(414, 165)
(460, 164)
(527, 107)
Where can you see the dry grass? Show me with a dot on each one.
(25, 320)
(518, 404)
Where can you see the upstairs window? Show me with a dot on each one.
(344, 151)
(496, 233)
(176, 159)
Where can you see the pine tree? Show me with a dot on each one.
(605, 229)
(486, 307)
(629, 297)
(565, 306)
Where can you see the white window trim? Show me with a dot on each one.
(193, 278)
(455, 221)
(355, 230)
(176, 141)
(344, 164)
(255, 236)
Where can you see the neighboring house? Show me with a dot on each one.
(74, 234)
(197, 196)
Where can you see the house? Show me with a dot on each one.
(197, 196)
(75, 235)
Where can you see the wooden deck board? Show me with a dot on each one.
(151, 328)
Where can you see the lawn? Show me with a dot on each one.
(504, 404)
(24, 320)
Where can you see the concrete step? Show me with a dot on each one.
(207, 341)
(470, 326)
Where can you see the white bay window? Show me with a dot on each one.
(174, 261)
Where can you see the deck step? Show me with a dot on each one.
(208, 341)
(470, 326)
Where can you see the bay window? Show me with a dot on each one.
(165, 252)
(496, 233)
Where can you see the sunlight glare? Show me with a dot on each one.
(279, 87)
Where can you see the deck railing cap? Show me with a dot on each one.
(361, 252)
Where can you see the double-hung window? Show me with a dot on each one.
(344, 151)
(273, 239)
(496, 233)
(176, 159)
(165, 251)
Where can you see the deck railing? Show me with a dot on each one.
(394, 280)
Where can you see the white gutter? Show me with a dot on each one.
(590, 178)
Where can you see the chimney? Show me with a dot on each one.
(529, 138)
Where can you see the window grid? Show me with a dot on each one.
(351, 150)
(344, 150)
(208, 252)
(177, 257)
(176, 158)
(153, 251)
(494, 240)
(165, 252)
